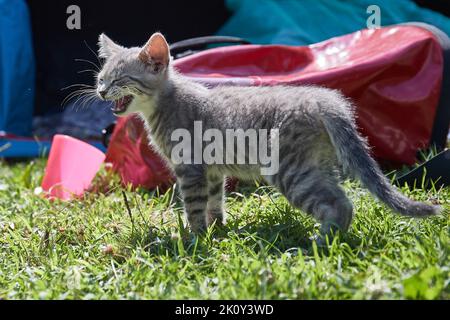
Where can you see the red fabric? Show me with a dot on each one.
(131, 156)
(392, 74)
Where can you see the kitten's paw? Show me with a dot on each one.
(328, 232)
(331, 229)
(320, 240)
(216, 218)
(197, 225)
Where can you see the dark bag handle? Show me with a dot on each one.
(189, 46)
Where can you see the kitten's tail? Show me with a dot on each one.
(353, 153)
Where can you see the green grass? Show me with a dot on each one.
(93, 248)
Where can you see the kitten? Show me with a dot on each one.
(316, 128)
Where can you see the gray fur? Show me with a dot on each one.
(318, 136)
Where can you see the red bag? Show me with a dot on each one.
(133, 158)
(393, 75)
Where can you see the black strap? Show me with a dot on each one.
(107, 133)
(186, 47)
(437, 170)
(442, 118)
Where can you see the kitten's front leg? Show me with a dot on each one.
(194, 190)
(215, 200)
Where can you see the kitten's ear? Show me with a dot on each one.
(107, 47)
(156, 52)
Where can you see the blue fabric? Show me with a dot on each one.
(17, 68)
(10, 148)
(300, 22)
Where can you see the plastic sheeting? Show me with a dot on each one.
(300, 22)
(17, 69)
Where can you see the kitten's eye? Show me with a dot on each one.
(100, 81)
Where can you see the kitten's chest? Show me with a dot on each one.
(158, 135)
(160, 144)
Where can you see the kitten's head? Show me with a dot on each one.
(131, 76)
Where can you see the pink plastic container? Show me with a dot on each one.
(71, 167)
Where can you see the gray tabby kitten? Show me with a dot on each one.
(317, 135)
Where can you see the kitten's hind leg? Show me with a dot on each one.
(318, 194)
(194, 190)
(215, 200)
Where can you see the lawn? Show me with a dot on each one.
(95, 248)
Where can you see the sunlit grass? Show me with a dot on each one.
(93, 248)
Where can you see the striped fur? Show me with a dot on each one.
(318, 138)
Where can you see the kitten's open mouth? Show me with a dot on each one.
(121, 105)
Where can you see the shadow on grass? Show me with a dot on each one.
(288, 235)
(274, 234)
